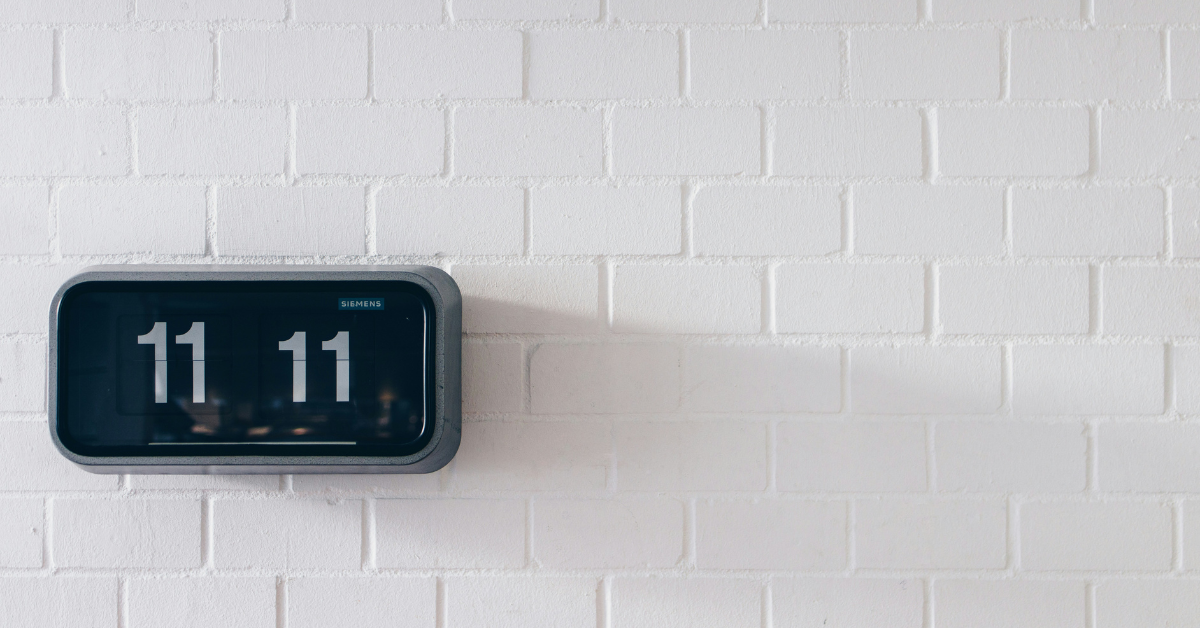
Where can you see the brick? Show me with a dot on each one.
(219, 140)
(678, 299)
(704, 11)
(198, 602)
(761, 379)
(64, 142)
(287, 534)
(604, 378)
(517, 602)
(28, 290)
(257, 483)
(370, 141)
(307, 64)
(851, 457)
(32, 76)
(847, 602)
(1147, 603)
(928, 220)
(587, 534)
(493, 377)
(846, 11)
(789, 535)
(603, 64)
(848, 142)
(833, 298)
(290, 221)
(1013, 142)
(29, 462)
(925, 380)
(373, 483)
(1077, 379)
(22, 528)
(687, 141)
(175, 65)
(1149, 143)
(688, 456)
(596, 220)
(1149, 458)
(1187, 379)
(527, 141)
(372, 601)
(1014, 299)
(1185, 77)
(1088, 222)
(894, 534)
(460, 533)
(1127, 536)
(1185, 222)
(1013, 10)
(76, 601)
(526, 10)
(924, 65)
(64, 11)
(448, 64)
(1146, 11)
(128, 219)
(728, 65)
(409, 12)
(1151, 301)
(680, 602)
(211, 10)
(126, 533)
(552, 456)
(1007, 457)
(529, 299)
(450, 221)
(774, 220)
(23, 383)
(1006, 603)
(26, 215)
(1087, 65)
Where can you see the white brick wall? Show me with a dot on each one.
(777, 312)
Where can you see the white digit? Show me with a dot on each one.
(340, 344)
(195, 337)
(295, 344)
(157, 336)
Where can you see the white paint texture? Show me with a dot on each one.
(778, 313)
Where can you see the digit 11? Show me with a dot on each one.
(157, 336)
(339, 344)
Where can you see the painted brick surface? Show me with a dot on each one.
(777, 312)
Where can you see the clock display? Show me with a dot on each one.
(236, 368)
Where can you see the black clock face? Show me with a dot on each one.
(218, 368)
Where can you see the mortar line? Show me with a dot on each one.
(366, 560)
(448, 148)
(929, 127)
(1168, 234)
(1007, 222)
(527, 222)
(289, 162)
(1089, 604)
(371, 219)
(851, 541)
(685, 65)
(47, 534)
(526, 384)
(54, 241)
(281, 601)
(689, 534)
(766, 307)
(1013, 535)
(1093, 464)
(927, 609)
(846, 356)
(1006, 64)
(371, 65)
(930, 456)
(1169, 387)
(1095, 122)
(604, 603)
(210, 221)
(767, 141)
(607, 158)
(772, 321)
(844, 64)
(1006, 378)
(525, 63)
(207, 535)
(440, 619)
(132, 127)
(925, 11)
(123, 601)
(1088, 10)
(768, 621)
(1177, 540)
(1165, 39)
(847, 209)
(1096, 302)
(932, 294)
(448, 12)
(217, 88)
(58, 67)
(688, 192)
(772, 457)
(610, 277)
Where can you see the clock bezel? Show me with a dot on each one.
(444, 409)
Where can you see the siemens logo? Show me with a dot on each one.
(360, 304)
